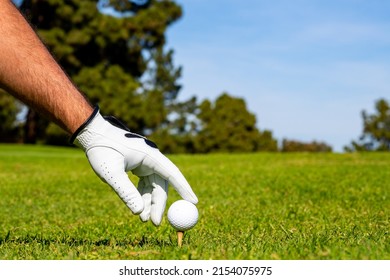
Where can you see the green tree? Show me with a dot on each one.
(298, 146)
(178, 133)
(118, 61)
(9, 108)
(267, 142)
(161, 90)
(376, 130)
(227, 126)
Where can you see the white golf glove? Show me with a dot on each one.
(112, 150)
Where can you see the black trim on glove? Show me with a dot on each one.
(87, 122)
(115, 122)
(147, 141)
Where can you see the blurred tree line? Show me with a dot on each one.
(115, 52)
(376, 130)
(298, 146)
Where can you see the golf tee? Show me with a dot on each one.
(180, 238)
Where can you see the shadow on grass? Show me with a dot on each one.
(75, 242)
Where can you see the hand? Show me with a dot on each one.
(112, 150)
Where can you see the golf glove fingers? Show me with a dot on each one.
(112, 150)
(108, 164)
(154, 192)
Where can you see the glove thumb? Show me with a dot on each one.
(108, 164)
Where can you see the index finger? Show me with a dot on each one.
(169, 171)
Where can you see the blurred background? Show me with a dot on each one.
(203, 76)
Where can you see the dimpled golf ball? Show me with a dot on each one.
(182, 215)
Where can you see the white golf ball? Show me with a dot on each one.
(183, 215)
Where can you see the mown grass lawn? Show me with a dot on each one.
(252, 206)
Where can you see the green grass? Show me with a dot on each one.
(252, 206)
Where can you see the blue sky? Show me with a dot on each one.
(306, 68)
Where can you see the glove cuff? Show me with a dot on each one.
(74, 139)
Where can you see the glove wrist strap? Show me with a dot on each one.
(85, 124)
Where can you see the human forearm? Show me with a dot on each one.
(29, 72)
